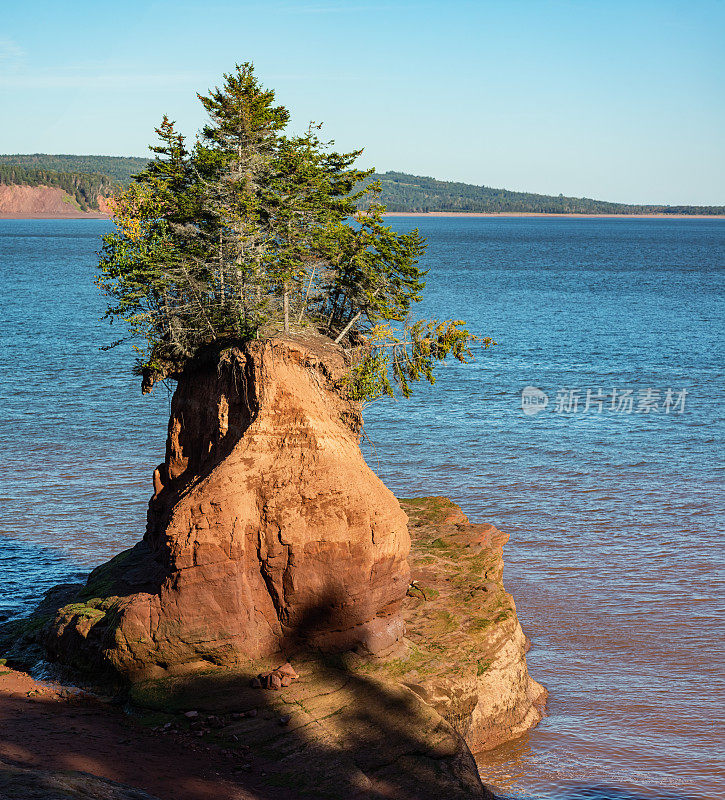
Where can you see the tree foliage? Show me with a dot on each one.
(407, 355)
(251, 232)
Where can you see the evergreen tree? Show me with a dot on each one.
(254, 233)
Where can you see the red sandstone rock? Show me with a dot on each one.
(266, 529)
(276, 679)
(288, 670)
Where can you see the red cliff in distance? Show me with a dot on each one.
(44, 202)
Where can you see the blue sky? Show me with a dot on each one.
(615, 100)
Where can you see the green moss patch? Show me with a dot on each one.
(102, 582)
(456, 630)
(86, 611)
(482, 667)
(431, 510)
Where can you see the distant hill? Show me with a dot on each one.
(403, 192)
(85, 178)
(120, 168)
(84, 190)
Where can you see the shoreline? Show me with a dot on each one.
(41, 215)
(462, 214)
(452, 214)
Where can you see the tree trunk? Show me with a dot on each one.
(285, 301)
(221, 269)
(307, 296)
(348, 326)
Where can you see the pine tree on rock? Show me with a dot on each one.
(254, 233)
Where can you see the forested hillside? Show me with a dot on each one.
(85, 189)
(403, 192)
(85, 177)
(120, 168)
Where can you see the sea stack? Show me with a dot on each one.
(266, 529)
(270, 539)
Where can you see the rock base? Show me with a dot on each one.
(357, 726)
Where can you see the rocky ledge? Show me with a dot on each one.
(466, 652)
(400, 726)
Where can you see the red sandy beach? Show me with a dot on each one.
(43, 726)
(40, 215)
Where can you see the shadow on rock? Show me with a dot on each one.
(334, 733)
(17, 783)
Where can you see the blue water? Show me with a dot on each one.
(616, 550)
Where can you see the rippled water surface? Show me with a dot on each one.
(616, 550)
